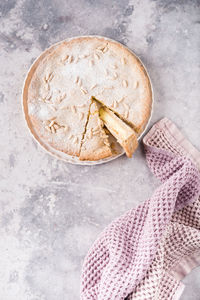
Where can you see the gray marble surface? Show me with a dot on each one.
(51, 211)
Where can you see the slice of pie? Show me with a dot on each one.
(95, 143)
(124, 134)
(59, 87)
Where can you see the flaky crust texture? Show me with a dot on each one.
(122, 84)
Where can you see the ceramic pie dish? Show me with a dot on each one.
(61, 88)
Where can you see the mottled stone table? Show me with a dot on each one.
(52, 211)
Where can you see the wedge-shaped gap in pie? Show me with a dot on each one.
(120, 116)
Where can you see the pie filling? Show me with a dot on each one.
(114, 124)
(131, 125)
(124, 134)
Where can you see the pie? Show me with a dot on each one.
(64, 84)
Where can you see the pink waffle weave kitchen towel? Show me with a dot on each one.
(145, 253)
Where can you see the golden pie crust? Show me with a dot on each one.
(62, 82)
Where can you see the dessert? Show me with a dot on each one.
(124, 134)
(95, 143)
(61, 86)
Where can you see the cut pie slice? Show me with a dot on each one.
(124, 134)
(95, 144)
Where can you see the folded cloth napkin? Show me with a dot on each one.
(145, 253)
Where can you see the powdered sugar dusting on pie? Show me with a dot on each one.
(66, 79)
